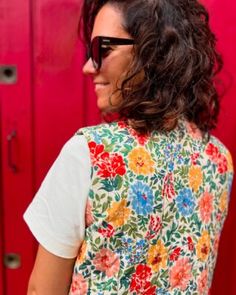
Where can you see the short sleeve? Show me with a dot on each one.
(56, 215)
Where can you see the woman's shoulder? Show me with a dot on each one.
(103, 130)
(98, 127)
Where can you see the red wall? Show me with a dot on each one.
(223, 22)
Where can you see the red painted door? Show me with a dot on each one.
(16, 144)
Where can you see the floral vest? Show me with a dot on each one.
(155, 211)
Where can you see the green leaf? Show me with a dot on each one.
(117, 182)
(107, 185)
(98, 241)
(104, 207)
(129, 270)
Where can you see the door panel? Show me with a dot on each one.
(16, 143)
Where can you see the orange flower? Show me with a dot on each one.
(206, 206)
(157, 256)
(107, 261)
(118, 213)
(140, 161)
(81, 254)
(223, 202)
(195, 177)
(203, 246)
(180, 274)
(229, 161)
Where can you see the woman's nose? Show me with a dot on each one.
(88, 68)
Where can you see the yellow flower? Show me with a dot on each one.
(203, 246)
(229, 162)
(195, 177)
(157, 256)
(118, 213)
(223, 205)
(140, 161)
(81, 254)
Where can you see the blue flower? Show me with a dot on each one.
(134, 253)
(185, 202)
(141, 243)
(141, 198)
(97, 137)
(171, 166)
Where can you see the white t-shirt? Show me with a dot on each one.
(56, 215)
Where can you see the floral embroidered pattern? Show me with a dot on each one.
(180, 274)
(206, 206)
(195, 177)
(203, 246)
(107, 261)
(140, 161)
(157, 256)
(140, 281)
(141, 198)
(154, 213)
(185, 202)
(118, 213)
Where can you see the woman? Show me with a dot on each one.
(136, 206)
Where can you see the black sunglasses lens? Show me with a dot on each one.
(95, 52)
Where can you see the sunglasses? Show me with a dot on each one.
(101, 45)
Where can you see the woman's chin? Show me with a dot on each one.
(103, 104)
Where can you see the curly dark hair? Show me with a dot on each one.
(175, 48)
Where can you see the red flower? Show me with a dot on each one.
(217, 158)
(140, 281)
(110, 165)
(154, 227)
(107, 230)
(95, 150)
(219, 216)
(194, 158)
(175, 254)
(190, 244)
(141, 138)
(168, 186)
(122, 124)
(212, 151)
(222, 164)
